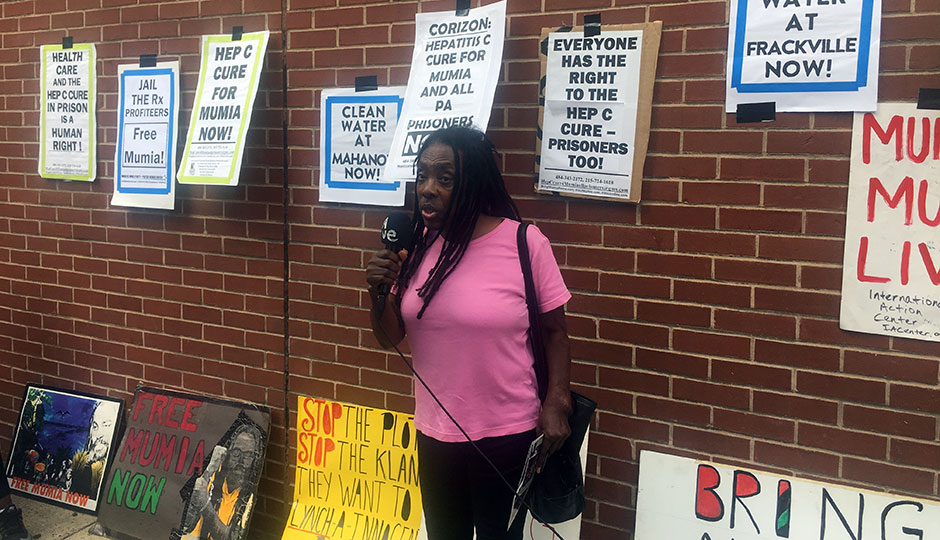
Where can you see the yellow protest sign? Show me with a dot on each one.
(357, 474)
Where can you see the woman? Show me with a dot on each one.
(460, 298)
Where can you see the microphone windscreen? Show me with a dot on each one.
(396, 231)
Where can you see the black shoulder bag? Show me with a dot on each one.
(557, 493)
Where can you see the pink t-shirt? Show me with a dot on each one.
(471, 345)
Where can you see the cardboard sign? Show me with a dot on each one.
(891, 266)
(453, 79)
(595, 116)
(805, 55)
(684, 498)
(188, 466)
(63, 446)
(355, 136)
(67, 112)
(145, 155)
(228, 82)
(357, 473)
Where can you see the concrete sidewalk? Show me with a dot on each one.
(49, 522)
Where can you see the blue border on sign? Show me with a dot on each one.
(861, 74)
(142, 72)
(328, 137)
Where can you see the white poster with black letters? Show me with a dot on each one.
(228, 82)
(145, 154)
(356, 130)
(67, 106)
(596, 111)
(804, 55)
(454, 71)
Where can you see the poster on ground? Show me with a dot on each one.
(357, 473)
(804, 55)
(891, 265)
(145, 155)
(680, 497)
(454, 71)
(67, 112)
(228, 82)
(355, 137)
(187, 467)
(62, 446)
(595, 117)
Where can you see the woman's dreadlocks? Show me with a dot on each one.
(478, 189)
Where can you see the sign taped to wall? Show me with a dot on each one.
(356, 130)
(596, 106)
(228, 82)
(804, 55)
(891, 264)
(145, 155)
(357, 473)
(683, 498)
(454, 71)
(67, 134)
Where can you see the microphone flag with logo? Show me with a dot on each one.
(396, 234)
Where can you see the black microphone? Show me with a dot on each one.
(396, 234)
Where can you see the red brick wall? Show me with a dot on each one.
(704, 320)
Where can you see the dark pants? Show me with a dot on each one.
(4, 486)
(460, 491)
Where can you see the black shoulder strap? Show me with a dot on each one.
(531, 300)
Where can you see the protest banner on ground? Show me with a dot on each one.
(145, 155)
(187, 468)
(680, 497)
(595, 117)
(891, 266)
(357, 473)
(228, 82)
(62, 446)
(454, 71)
(355, 137)
(804, 55)
(67, 133)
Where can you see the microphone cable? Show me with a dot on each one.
(499, 473)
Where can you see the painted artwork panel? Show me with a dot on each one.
(63, 445)
(187, 467)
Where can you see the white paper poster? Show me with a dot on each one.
(67, 119)
(145, 155)
(454, 72)
(355, 136)
(804, 55)
(589, 119)
(683, 498)
(891, 267)
(228, 82)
